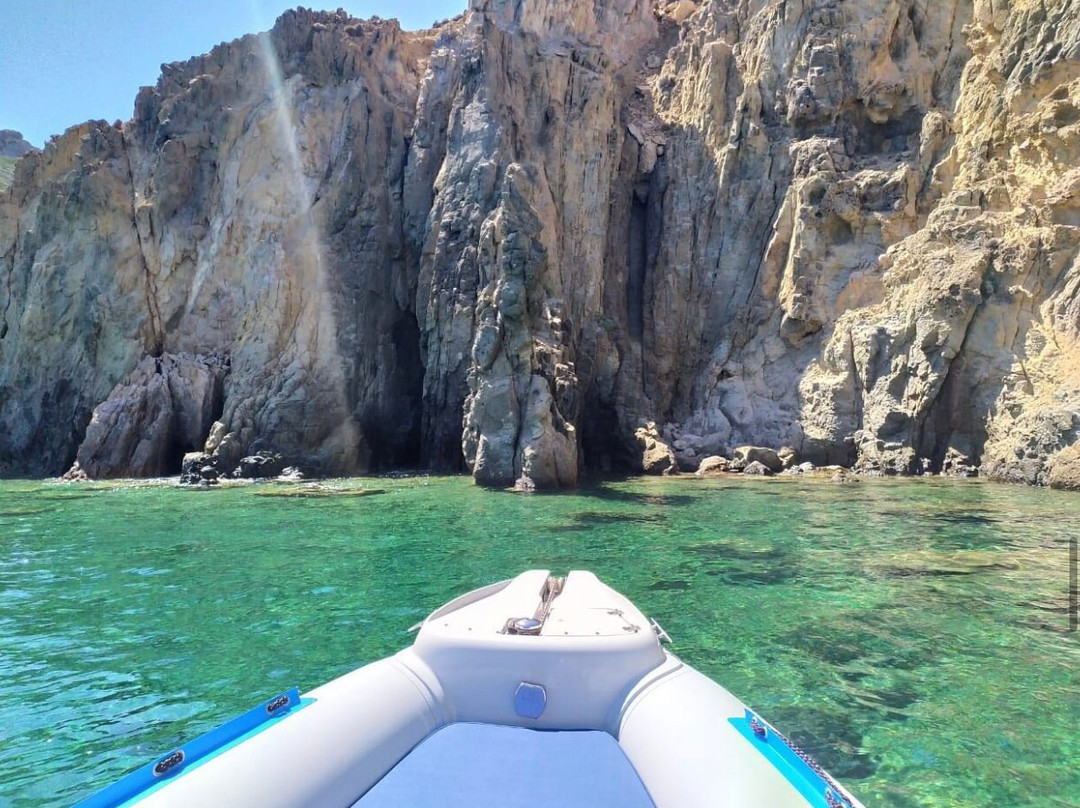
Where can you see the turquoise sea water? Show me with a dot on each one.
(912, 634)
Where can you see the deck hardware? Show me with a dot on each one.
(758, 728)
(532, 626)
(168, 763)
(662, 635)
(524, 625)
(552, 588)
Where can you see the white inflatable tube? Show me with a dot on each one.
(323, 755)
(714, 765)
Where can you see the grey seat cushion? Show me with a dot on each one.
(478, 765)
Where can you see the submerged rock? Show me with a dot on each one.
(315, 491)
(945, 562)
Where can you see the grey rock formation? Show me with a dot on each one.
(758, 469)
(713, 465)
(199, 468)
(261, 465)
(850, 229)
(160, 411)
(654, 455)
(745, 456)
(691, 450)
(13, 144)
(252, 209)
(788, 456)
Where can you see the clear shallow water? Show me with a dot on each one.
(912, 634)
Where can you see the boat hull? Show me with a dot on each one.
(594, 665)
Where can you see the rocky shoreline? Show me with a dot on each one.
(554, 238)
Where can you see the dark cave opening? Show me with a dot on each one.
(173, 456)
(888, 137)
(179, 443)
(602, 448)
(952, 420)
(392, 426)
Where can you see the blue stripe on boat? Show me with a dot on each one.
(144, 781)
(467, 765)
(794, 769)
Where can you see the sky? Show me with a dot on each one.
(63, 62)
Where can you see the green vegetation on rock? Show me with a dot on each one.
(7, 171)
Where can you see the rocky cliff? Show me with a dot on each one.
(12, 147)
(549, 236)
(13, 144)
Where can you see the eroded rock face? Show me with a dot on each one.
(252, 209)
(845, 228)
(160, 411)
